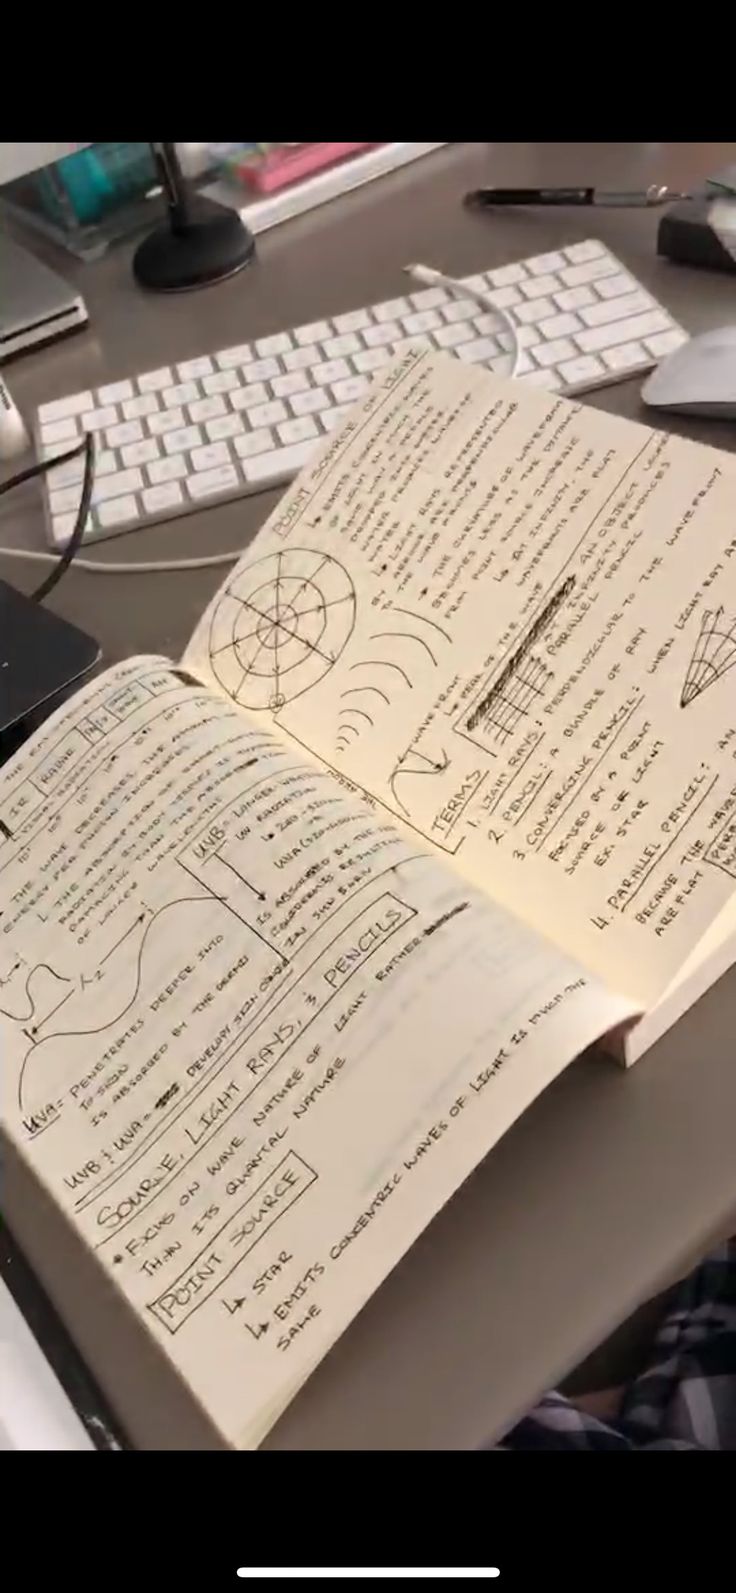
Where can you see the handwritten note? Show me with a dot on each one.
(253, 1036)
(511, 619)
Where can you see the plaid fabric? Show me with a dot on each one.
(686, 1396)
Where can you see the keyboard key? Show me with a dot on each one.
(60, 431)
(69, 474)
(379, 336)
(548, 379)
(211, 483)
(353, 321)
(451, 336)
(105, 462)
(165, 420)
(331, 419)
(335, 347)
(256, 442)
(628, 331)
(145, 404)
(208, 408)
(625, 357)
(154, 381)
(628, 304)
(315, 332)
(191, 369)
(543, 263)
(167, 469)
(269, 414)
(114, 393)
(63, 526)
(391, 309)
(591, 271)
(309, 403)
(372, 359)
(552, 353)
(489, 324)
(459, 310)
(577, 298)
(114, 486)
(296, 431)
(505, 298)
(230, 358)
(167, 496)
(64, 499)
(262, 370)
(127, 432)
(423, 340)
(586, 368)
(666, 342)
(300, 358)
(331, 371)
(611, 287)
(293, 382)
(224, 426)
(248, 397)
(351, 389)
(221, 382)
(539, 287)
(535, 310)
(140, 453)
(280, 465)
(420, 321)
(578, 253)
(279, 344)
(180, 393)
(119, 512)
(481, 348)
(65, 408)
(506, 276)
(175, 442)
(560, 326)
(210, 455)
(429, 298)
(96, 419)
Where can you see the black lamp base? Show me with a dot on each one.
(210, 245)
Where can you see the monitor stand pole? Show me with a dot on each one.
(202, 241)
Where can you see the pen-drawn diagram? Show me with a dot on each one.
(414, 763)
(398, 654)
(280, 625)
(517, 698)
(713, 655)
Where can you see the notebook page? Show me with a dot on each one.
(512, 619)
(252, 1037)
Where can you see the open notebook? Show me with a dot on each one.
(442, 792)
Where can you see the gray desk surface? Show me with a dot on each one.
(613, 1182)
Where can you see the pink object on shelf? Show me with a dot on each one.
(281, 167)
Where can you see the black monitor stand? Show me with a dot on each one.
(201, 242)
(41, 657)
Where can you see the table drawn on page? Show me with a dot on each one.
(407, 640)
(280, 625)
(713, 654)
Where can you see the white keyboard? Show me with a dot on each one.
(248, 417)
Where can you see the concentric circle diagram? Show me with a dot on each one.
(280, 625)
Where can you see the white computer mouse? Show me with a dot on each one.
(699, 378)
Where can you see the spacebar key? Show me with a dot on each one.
(210, 483)
(278, 465)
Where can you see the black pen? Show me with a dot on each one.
(486, 198)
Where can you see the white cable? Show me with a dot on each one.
(436, 279)
(95, 568)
